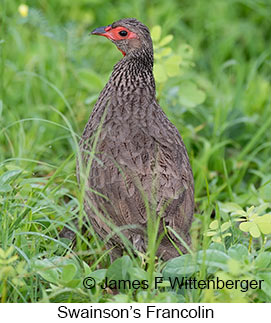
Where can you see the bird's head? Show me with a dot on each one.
(128, 35)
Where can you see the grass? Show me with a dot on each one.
(51, 73)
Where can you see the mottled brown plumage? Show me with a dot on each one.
(138, 150)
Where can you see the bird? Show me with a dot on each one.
(135, 161)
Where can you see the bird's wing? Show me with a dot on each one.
(133, 157)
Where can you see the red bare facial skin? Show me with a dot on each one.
(113, 34)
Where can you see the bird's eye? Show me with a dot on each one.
(123, 33)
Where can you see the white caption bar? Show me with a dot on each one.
(160, 312)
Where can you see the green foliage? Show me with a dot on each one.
(212, 69)
(58, 270)
(12, 272)
(255, 224)
(252, 220)
(169, 65)
(217, 232)
(120, 268)
(232, 264)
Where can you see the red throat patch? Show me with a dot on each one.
(123, 53)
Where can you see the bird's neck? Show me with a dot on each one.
(134, 71)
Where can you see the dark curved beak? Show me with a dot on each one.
(100, 30)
